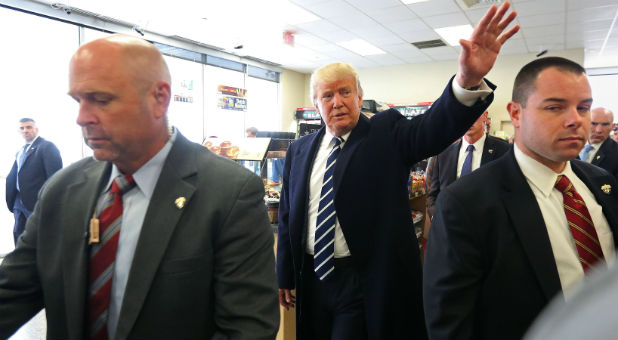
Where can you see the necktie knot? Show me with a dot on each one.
(337, 141)
(588, 147)
(563, 184)
(122, 184)
(26, 146)
(470, 148)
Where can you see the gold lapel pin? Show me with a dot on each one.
(598, 157)
(180, 202)
(490, 150)
(606, 188)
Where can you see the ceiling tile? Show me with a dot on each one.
(600, 25)
(579, 4)
(371, 31)
(406, 26)
(592, 14)
(434, 7)
(332, 8)
(309, 40)
(541, 20)
(417, 59)
(385, 59)
(339, 36)
(385, 40)
(540, 7)
(405, 47)
(531, 32)
(439, 51)
(319, 27)
(392, 14)
(445, 20)
(373, 4)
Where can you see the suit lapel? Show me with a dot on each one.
(356, 137)
(300, 199)
(600, 155)
(607, 202)
(31, 151)
(83, 194)
(159, 225)
(451, 160)
(524, 211)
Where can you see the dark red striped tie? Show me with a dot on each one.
(102, 256)
(580, 223)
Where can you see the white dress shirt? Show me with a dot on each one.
(315, 189)
(477, 154)
(542, 180)
(134, 206)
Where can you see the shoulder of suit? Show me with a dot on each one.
(588, 169)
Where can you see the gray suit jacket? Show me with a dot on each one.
(203, 271)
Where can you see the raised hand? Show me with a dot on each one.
(479, 54)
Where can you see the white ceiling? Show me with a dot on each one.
(388, 24)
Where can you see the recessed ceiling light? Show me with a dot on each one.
(361, 47)
(407, 2)
(452, 34)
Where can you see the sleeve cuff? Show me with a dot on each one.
(467, 97)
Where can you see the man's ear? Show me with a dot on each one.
(515, 111)
(162, 96)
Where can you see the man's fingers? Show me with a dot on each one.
(506, 35)
(495, 20)
(507, 20)
(487, 17)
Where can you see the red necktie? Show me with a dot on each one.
(102, 256)
(580, 223)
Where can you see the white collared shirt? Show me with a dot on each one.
(134, 206)
(542, 180)
(477, 154)
(315, 188)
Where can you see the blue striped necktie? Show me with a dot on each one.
(324, 246)
(466, 168)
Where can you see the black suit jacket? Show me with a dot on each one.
(42, 161)
(489, 266)
(607, 157)
(200, 271)
(371, 200)
(445, 166)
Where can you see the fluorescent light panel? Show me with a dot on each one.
(452, 34)
(361, 47)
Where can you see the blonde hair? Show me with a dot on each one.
(333, 72)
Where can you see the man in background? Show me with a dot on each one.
(510, 236)
(34, 163)
(154, 237)
(474, 150)
(601, 150)
(251, 132)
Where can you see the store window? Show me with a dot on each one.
(186, 106)
(220, 121)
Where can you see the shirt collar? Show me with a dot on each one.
(147, 175)
(478, 145)
(327, 140)
(539, 175)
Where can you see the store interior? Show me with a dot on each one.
(257, 50)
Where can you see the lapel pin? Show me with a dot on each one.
(606, 188)
(180, 202)
(598, 156)
(490, 150)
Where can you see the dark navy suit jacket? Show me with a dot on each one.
(489, 267)
(607, 157)
(371, 200)
(42, 160)
(445, 166)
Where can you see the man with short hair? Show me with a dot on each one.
(510, 236)
(37, 161)
(154, 237)
(346, 239)
(601, 150)
(474, 150)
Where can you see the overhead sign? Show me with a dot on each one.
(232, 98)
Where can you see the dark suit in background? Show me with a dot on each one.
(445, 166)
(494, 270)
(607, 157)
(41, 161)
(371, 200)
(203, 271)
